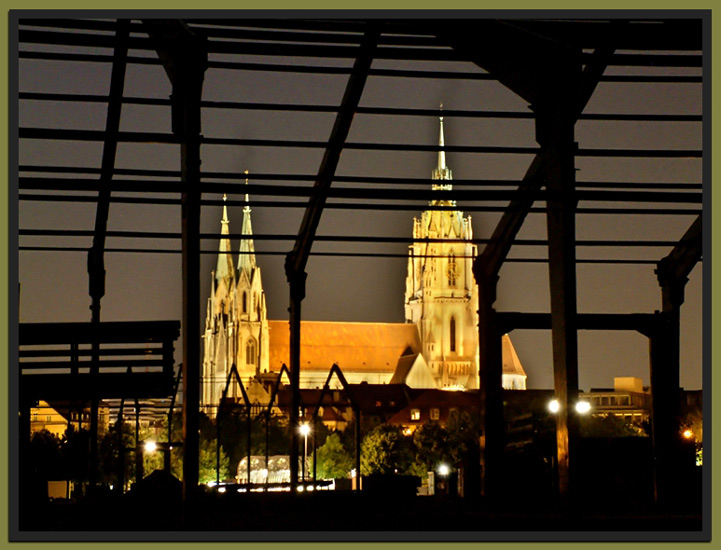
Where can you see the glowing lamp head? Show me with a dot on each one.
(688, 434)
(554, 406)
(150, 446)
(304, 429)
(444, 470)
(583, 407)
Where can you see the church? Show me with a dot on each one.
(436, 347)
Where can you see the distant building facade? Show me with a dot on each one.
(437, 346)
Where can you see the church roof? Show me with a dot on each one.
(511, 362)
(353, 346)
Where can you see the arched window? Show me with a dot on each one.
(452, 270)
(250, 352)
(245, 302)
(453, 334)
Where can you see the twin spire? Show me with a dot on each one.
(246, 258)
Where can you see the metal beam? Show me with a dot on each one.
(643, 323)
(296, 260)
(672, 272)
(184, 57)
(545, 166)
(96, 262)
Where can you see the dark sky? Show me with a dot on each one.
(147, 286)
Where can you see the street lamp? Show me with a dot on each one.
(554, 406)
(582, 407)
(150, 446)
(305, 430)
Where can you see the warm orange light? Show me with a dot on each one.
(688, 434)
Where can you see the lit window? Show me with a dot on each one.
(435, 414)
(415, 414)
(378, 403)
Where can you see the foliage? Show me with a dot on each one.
(608, 426)
(385, 450)
(208, 462)
(433, 447)
(332, 459)
(234, 435)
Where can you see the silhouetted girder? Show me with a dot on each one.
(511, 67)
(649, 34)
(669, 34)
(184, 57)
(297, 258)
(644, 323)
(673, 270)
(96, 260)
(527, 64)
(96, 264)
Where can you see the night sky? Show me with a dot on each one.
(141, 286)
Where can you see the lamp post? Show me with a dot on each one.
(305, 430)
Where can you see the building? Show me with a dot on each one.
(436, 348)
(628, 400)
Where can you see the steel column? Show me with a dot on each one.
(96, 261)
(490, 387)
(185, 58)
(672, 272)
(555, 134)
(297, 259)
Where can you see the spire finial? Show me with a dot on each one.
(225, 210)
(442, 172)
(247, 200)
(441, 150)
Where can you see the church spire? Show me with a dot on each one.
(246, 260)
(224, 268)
(442, 172)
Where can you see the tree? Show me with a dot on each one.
(433, 447)
(608, 426)
(385, 450)
(333, 461)
(208, 462)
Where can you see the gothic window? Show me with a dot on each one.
(245, 302)
(255, 301)
(453, 334)
(452, 270)
(250, 352)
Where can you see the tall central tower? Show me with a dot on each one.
(440, 289)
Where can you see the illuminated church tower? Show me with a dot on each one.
(442, 296)
(236, 327)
